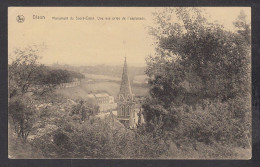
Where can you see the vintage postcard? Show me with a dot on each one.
(129, 82)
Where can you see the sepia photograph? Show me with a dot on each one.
(129, 83)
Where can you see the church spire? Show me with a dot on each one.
(125, 87)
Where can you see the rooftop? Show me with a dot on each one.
(101, 95)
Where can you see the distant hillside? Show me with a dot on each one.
(99, 86)
(109, 70)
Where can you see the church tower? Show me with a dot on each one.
(126, 105)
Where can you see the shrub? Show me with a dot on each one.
(22, 113)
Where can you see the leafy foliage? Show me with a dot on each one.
(85, 109)
(26, 75)
(22, 113)
(200, 78)
(198, 58)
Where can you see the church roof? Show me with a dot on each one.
(125, 87)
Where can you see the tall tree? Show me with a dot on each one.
(24, 70)
(196, 60)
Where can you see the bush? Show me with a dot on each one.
(100, 138)
(22, 113)
(215, 123)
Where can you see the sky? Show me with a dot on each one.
(91, 42)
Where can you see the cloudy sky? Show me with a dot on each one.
(86, 42)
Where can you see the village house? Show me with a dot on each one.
(103, 100)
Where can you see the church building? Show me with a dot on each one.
(126, 113)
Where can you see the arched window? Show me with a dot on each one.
(122, 111)
(127, 110)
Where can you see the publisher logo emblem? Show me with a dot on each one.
(20, 18)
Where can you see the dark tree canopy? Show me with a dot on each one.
(200, 76)
(26, 74)
(197, 59)
(29, 80)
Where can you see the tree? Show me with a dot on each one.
(85, 109)
(24, 71)
(198, 58)
(27, 75)
(22, 113)
(197, 63)
(29, 80)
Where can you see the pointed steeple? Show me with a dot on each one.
(125, 87)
